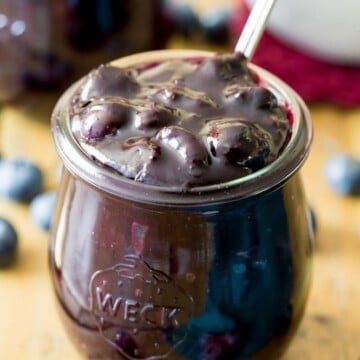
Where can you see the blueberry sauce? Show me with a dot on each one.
(180, 123)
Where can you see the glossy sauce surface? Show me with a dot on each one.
(180, 123)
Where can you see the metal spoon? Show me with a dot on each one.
(254, 28)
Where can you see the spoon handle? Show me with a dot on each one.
(254, 28)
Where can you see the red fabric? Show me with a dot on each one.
(313, 79)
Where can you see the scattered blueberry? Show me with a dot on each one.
(342, 172)
(8, 243)
(42, 208)
(215, 23)
(211, 26)
(187, 21)
(20, 179)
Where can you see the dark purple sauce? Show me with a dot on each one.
(180, 123)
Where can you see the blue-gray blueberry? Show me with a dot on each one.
(42, 209)
(215, 23)
(187, 21)
(20, 179)
(8, 243)
(342, 172)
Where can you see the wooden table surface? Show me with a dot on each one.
(29, 325)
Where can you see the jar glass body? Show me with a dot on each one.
(169, 281)
(142, 272)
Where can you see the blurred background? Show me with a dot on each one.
(47, 44)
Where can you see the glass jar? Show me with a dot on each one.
(145, 272)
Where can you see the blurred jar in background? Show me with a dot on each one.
(24, 32)
(47, 44)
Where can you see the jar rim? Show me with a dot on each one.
(290, 160)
